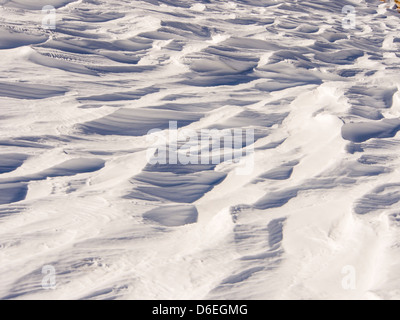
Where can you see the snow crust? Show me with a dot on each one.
(77, 192)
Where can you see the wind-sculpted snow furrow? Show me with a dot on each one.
(38, 5)
(29, 91)
(260, 244)
(137, 122)
(11, 161)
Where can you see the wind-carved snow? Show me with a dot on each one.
(77, 191)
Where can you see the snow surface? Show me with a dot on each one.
(77, 192)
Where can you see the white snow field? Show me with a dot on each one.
(318, 217)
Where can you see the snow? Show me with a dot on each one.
(78, 193)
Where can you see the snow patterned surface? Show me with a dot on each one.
(77, 193)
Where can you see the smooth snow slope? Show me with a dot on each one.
(77, 193)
